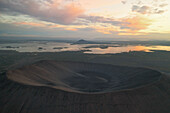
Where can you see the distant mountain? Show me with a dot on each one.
(88, 42)
(84, 42)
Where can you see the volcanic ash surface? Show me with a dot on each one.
(83, 77)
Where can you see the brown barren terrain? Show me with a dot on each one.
(77, 87)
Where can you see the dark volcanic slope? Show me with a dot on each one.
(83, 77)
(18, 98)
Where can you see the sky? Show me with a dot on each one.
(88, 19)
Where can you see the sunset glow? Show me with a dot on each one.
(86, 18)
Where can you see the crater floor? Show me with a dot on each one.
(83, 77)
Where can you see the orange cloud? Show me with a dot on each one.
(132, 33)
(44, 25)
(30, 24)
(72, 12)
(56, 26)
(103, 31)
(71, 29)
(64, 27)
(48, 10)
(136, 23)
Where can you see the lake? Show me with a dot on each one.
(48, 46)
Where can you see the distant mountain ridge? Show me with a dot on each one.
(82, 41)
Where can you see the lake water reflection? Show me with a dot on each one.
(38, 46)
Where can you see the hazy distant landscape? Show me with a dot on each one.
(92, 47)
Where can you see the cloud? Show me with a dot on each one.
(147, 9)
(130, 33)
(127, 24)
(61, 15)
(163, 5)
(135, 23)
(46, 10)
(20, 30)
(155, 7)
(142, 9)
(157, 11)
(86, 29)
(45, 26)
(71, 29)
(100, 19)
(30, 24)
(124, 2)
